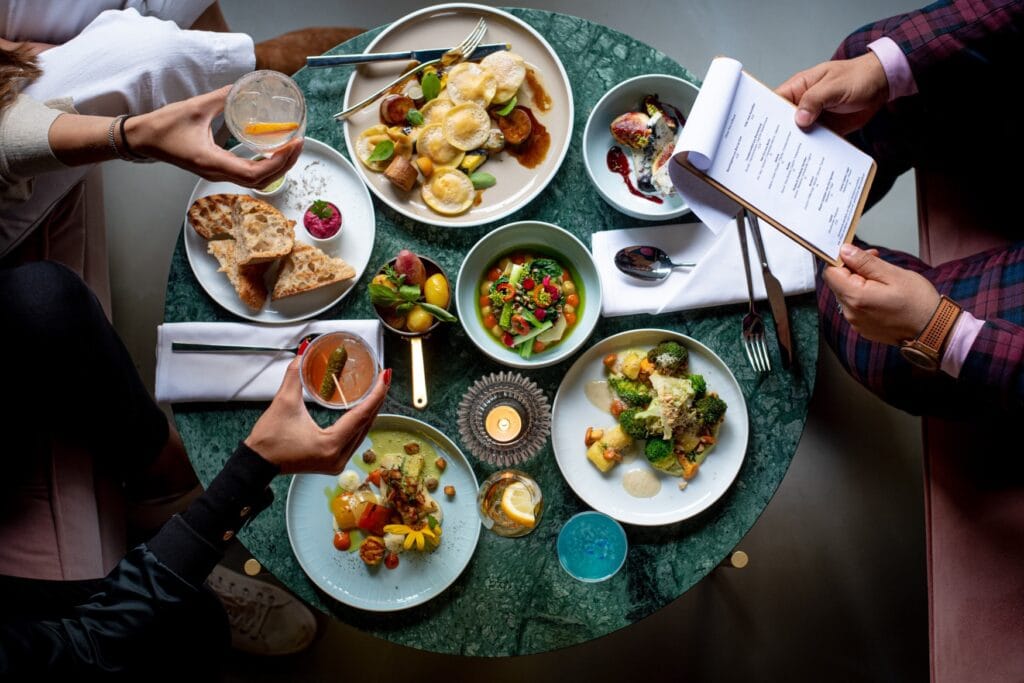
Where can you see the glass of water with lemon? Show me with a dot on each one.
(510, 503)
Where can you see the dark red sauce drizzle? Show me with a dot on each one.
(619, 163)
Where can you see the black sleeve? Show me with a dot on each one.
(152, 587)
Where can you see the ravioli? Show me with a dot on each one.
(467, 126)
(448, 191)
(365, 143)
(434, 110)
(509, 70)
(433, 145)
(469, 82)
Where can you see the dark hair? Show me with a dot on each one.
(17, 68)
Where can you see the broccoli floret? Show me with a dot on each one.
(657, 450)
(700, 387)
(710, 409)
(669, 357)
(494, 294)
(632, 392)
(636, 428)
(545, 266)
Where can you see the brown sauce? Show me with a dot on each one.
(541, 98)
(532, 151)
(479, 198)
(619, 163)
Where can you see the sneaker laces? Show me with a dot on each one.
(246, 611)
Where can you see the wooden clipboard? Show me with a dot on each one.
(682, 160)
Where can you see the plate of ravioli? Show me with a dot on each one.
(466, 145)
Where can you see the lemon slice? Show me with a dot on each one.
(517, 504)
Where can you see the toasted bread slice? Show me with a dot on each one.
(213, 216)
(261, 232)
(247, 280)
(308, 268)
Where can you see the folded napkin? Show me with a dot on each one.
(716, 280)
(183, 377)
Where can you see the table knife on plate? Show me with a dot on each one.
(420, 56)
(776, 298)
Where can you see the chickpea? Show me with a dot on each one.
(497, 331)
(485, 289)
(568, 287)
(431, 483)
(569, 309)
(449, 490)
(412, 448)
(441, 464)
(503, 263)
(485, 311)
(369, 456)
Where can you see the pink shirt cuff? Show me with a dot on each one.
(961, 339)
(896, 67)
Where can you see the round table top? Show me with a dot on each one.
(514, 598)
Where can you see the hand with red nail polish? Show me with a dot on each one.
(287, 436)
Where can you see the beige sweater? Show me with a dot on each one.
(25, 146)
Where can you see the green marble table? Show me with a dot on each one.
(514, 598)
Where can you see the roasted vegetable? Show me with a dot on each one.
(669, 357)
(516, 127)
(700, 387)
(632, 392)
(634, 427)
(710, 409)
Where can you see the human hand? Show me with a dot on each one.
(180, 134)
(883, 302)
(286, 435)
(844, 94)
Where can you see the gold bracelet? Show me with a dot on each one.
(115, 122)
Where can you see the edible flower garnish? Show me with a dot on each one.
(415, 536)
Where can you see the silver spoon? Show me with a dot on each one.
(646, 263)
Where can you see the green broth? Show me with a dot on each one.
(534, 252)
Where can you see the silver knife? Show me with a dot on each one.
(776, 298)
(418, 55)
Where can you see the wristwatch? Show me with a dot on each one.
(925, 352)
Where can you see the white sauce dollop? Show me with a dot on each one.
(641, 483)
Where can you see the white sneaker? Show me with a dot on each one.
(264, 619)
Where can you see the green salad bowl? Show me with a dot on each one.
(516, 241)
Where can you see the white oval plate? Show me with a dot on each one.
(320, 173)
(419, 576)
(597, 140)
(447, 25)
(573, 413)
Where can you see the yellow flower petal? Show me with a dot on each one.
(420, 543)
(408, 541)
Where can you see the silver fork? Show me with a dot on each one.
(753, 325)
(459, 53)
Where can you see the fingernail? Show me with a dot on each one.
(387, 377)
(302, 347)
(848, 250)
(804, 117)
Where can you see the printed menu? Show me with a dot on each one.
(741, 138)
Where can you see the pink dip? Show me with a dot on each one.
(323, 228)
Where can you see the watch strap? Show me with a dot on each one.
(936, 332)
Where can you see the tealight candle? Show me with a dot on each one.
(503, 423)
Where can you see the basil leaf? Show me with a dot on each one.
(482, 180)
(414, 117)
(404, 308)
(431, 85)
(381, 295)
(383, 151)
(439, 313)
(509, 106)
(410, 292)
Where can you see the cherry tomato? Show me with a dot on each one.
(391, 560)
(374, 477)
(490, 321)
(518, 259)
(506, 339)
(570, 318)
(494, 274)
(342, 540)
(572, 300)
(485, 301)
(538, 346)
(529, 284)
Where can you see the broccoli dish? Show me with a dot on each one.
(668, 412)
(529, 302)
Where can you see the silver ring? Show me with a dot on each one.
(839, 306)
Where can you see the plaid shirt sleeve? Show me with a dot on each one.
(996, 362)
(948, 33)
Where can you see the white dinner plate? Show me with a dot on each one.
(447, 25)
(320, 173)
(573, 412)
(419, 576)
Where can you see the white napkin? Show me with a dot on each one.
(716, 280)
(184, 377)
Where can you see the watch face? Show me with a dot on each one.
(919, 358)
